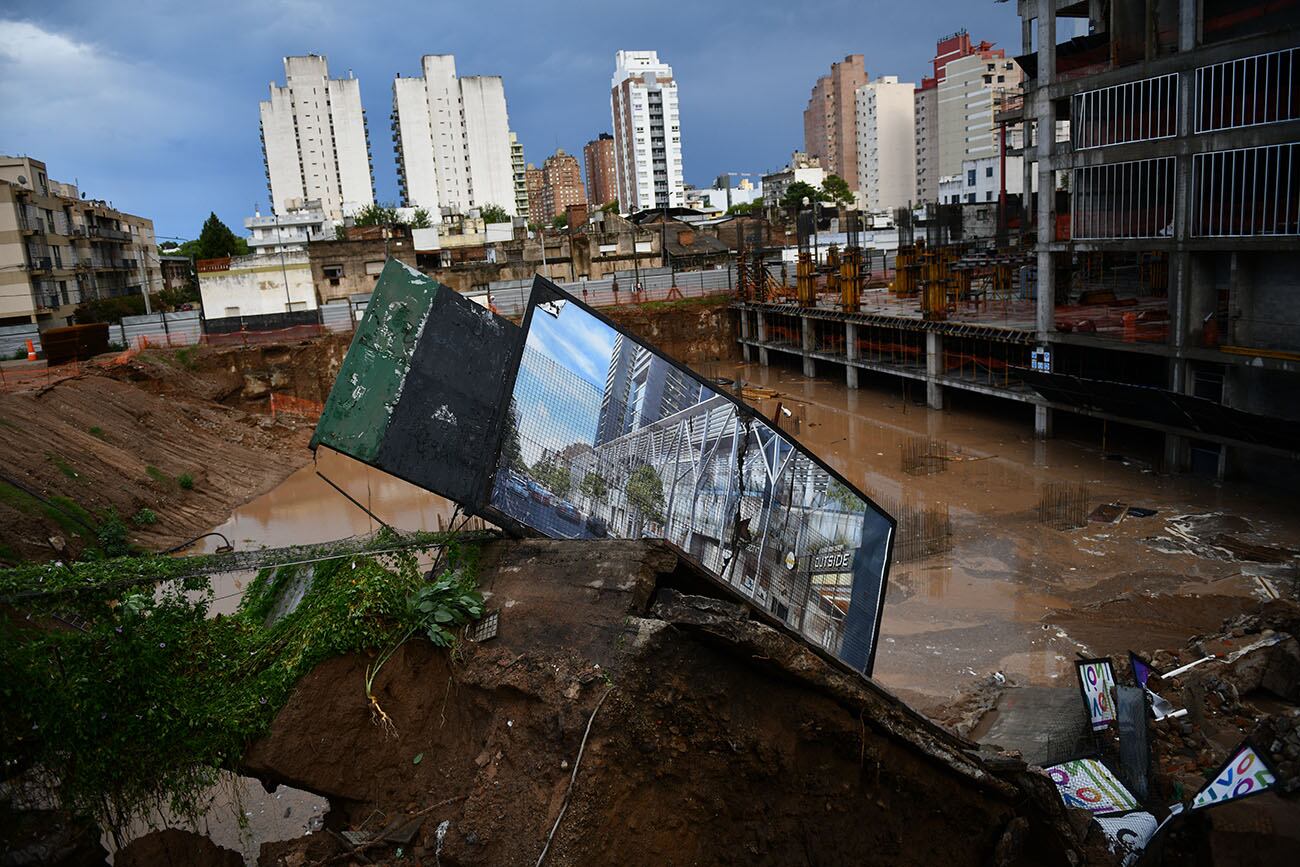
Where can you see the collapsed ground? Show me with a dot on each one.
(128, 434)
(158, 447)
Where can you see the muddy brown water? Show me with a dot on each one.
(954, 617)
(992, 602)
(950, 618)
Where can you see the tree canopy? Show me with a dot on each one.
(838, 189)
(743, 208)
(377, 214)
(214, 241)
(494, 214)
(800, 190)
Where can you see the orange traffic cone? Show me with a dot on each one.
(31, 351)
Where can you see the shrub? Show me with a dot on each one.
(145, 517)
(186, 481)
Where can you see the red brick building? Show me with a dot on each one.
(598, 158)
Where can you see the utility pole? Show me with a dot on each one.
(284, 270)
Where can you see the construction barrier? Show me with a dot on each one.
(287, 404)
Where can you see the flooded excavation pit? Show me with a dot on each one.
(1007, 573)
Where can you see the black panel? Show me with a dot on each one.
(444, 424)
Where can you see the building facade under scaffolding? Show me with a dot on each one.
(1150, 279)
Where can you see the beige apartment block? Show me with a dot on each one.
(58, 249)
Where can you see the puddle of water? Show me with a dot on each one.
(266, 817)
(304, 509)
(976, 607)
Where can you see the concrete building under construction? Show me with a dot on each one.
(1148, 280)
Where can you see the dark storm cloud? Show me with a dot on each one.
(154, 106)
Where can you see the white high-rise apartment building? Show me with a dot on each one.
(965, 107)
(647, 132)
(314, 140)
(886, 143)
(452, 137)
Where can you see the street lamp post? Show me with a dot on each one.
(284, 270)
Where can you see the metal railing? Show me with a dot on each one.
(1248, 91)
(1140, 110)
(1246, 192)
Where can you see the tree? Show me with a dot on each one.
(420, 219)
(376, 214)
(494, 214)
(645, 492)
(553, 476)
(594, 486)
(560, 221)
(838, 189)
(512, 452)
(215, 241)
(743, 208)
(610, 206)
(800, 190)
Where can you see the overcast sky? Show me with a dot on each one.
(154, 105)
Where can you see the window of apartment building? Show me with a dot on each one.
(988, 171)
(374, 268)
(970, 198)
(970, 177)
(988, 195)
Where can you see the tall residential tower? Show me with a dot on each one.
(647, 132)
(452, 138)
(886, 142)
(314, 140)
(829, 128)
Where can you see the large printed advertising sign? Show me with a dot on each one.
(573, 428)
(606, 438)
(1097, 682)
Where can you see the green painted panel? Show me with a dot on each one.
(360, 405)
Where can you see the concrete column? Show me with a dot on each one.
(851, 352)
(1175, 460)
(1042, 422)
(745, 335)
(809, 363)
(933, 370)
(1046, 214)
(762, 338)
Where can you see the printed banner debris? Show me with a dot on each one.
(1097, 683)
(1246, 773)
(1087, 783)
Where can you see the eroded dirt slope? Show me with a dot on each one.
(126, 441)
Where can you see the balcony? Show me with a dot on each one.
(32, 227)
(108, 233)
(41, 264)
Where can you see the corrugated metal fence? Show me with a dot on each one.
(510, 297)
(183, 328)
(14, 338)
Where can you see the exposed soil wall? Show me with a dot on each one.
(691, 331)
(123, 440)
(715, 739)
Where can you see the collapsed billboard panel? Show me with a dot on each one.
(605, 438)
(419, 393)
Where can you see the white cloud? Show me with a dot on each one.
(63, 97)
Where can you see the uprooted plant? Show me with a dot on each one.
(146, 698)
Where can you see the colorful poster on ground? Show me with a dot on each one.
(1097, 683)
(1246, 773)
(1088, 784)
(1128, 834)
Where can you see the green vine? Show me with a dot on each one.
(146, 698)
